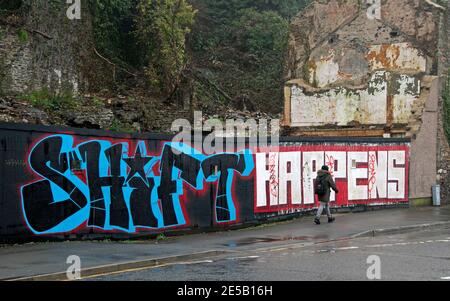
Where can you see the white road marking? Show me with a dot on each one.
(276, 250)
(347, 248)
(194, 262)
(380, 246)
(445, 278)
(241, 258)
(408, 243)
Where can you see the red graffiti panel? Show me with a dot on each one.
(364, 175)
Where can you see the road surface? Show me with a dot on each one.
(415, 256)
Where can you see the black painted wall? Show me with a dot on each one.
(62, 182)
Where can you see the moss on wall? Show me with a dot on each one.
(446, 101)
(22, 34)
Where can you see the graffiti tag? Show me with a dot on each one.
(113, 190)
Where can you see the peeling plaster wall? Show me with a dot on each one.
(333, 67)
(340, 106)
(310, 29)
(343, 64)
(344, 106)
(399, 57)
(341, 24)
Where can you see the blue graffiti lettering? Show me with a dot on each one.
(98, 185)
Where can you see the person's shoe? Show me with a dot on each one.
(317, 221)
(331, 220)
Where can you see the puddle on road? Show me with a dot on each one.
(266, 240)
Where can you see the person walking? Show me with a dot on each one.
(324, 184)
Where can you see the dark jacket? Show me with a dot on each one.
(325, 176)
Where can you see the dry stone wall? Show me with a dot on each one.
(43, 48)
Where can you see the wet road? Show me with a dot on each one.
(417, 256)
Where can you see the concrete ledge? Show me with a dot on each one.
(401, 230)
(421, 202)
(125, 266)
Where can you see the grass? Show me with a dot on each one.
(97, 102)
(118, 126)
(22, 34)
(46, 100)
(161, 237)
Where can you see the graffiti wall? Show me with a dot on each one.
(365, 175)
(56, 182)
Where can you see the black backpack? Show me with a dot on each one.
(321, 186)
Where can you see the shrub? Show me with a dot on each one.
(162, 27)
(261, 33)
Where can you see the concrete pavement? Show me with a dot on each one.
(47, 258)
